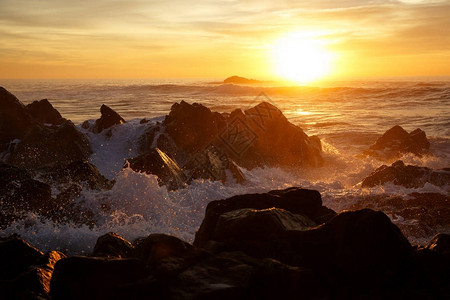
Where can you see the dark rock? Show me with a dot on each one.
(358, 253)
(43, 112)
(16, 255)
(408, 176)
(157, 247)
(43, 147)
(262, 136)
(212, 146)
(440, 243)
(34, 283)
(247, 224)
(168, 171)
(240, 80)
(108, 118)
(226, 276)
(80, 277)
(193, 127)
(436, 269)
(80, 171)
(15, 120)
(112, 245)
(396, 141)
(294, 200)
(20, 192)
(418, 214)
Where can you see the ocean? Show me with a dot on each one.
(347, 116)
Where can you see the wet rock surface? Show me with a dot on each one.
(397, 141)
(108, 118)
(264, 253)
(210, 145)
(407, 175)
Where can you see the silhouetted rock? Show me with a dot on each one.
(409, 176)
(112, 245)
(397, 141)
(209, 145)
(45, 146)
(80, 277)
(108, 118)
(293, 200)
(240, 80)
(43, 112)
(15, 120)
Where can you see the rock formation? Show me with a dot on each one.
(397, 141)
(406, 175)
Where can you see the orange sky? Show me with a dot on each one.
(154, 39)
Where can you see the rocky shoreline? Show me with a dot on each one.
(279, 245)
(284, 244)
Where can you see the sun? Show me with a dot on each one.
(300, 58)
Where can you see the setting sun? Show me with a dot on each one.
(301, 59)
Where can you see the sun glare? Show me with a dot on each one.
(300, 58)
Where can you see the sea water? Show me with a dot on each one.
(347, 116)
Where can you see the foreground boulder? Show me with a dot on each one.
(80, 277)
(397, 141)
(406, 175)
(296, 201)
(252, 252)
(25, 271)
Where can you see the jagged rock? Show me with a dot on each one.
(80, 277)
(45, 146)
(408, 176)
(209, 145)
(397, 141)
(108, 118)
(262, 136)
(293, 200)
(193, 127)
(168, 172)
(15, 120)
(43, 112)
(112, 245)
